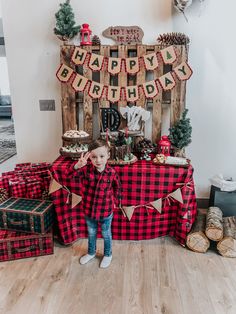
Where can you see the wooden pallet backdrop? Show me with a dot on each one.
(80, 110)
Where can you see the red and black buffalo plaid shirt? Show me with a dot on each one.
(100, 190)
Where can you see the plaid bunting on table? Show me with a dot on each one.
(16, 245)
(142, 183)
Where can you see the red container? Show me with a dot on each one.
(16, 245)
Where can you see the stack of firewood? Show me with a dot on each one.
(213, 226)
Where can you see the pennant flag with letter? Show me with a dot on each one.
(132, 65)
(183, 71)
(95, 90)
(167, 81)
(114, 65)
(150, 89)
(150, 61)
(64, 73)
(132, 93)
(168, 55)
(79, 83)
(96, 62)
(113, 94)
(79, 56)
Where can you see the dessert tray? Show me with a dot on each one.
(123, 162)
(171, 161)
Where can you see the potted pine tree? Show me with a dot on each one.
(180, 134)
(65, 22)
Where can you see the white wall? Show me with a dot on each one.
(33, 56)
(4, 83)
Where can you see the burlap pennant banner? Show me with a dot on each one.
(78, 56)
(114, 65)
(75, 199)
(96, 90)
(113, 93)
(183, 71)
(96, 62)
(129, 210)
(132, 65)
(168, 55)
(132, 93)
(167, 81)
(64, 73)
(150, 89)
(54, 186)
(157, 204)
(177, 195)
(150, 61)
(79, 83)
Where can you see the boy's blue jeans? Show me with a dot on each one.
(92, 225)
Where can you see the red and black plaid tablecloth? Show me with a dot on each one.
(142, 182)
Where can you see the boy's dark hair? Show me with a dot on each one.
(98, 143)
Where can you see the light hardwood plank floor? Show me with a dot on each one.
(154, 276)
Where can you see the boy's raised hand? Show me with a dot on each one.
(82, 160)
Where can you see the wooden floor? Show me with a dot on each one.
(155, 276)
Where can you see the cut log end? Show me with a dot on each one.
(214, 234)
(197, 242)
(227, 247)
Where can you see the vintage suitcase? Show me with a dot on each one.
(28, 215)
(16, 245)
(226, 201)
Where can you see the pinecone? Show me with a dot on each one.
(173, 39)
(96, 41)
(3, 195)
(45, 195)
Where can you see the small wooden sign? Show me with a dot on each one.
(124, 34)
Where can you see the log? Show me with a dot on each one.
(196, 239)
(227, 246)
(214, 224)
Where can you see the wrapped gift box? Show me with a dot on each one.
(28, 215)
(16, 245)
(226, 201)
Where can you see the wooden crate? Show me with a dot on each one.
(80, 110)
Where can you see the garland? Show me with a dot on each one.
(129, 93)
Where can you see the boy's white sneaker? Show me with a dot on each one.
(86, 258)
(106, 261)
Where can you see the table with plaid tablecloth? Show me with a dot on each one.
(142, 182)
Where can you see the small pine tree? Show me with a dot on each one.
(65, 22)
(180, 134)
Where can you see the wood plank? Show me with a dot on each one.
(122, 77)
(175, 93)
(157, 104)
(141, 76)
(68, 101)
(105, 76)
(122, 80)
(147, 275)
(88, 103)
(184, 57)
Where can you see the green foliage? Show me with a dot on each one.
(65, 22)
(180, 134)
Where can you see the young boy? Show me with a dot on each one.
(101, 188)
